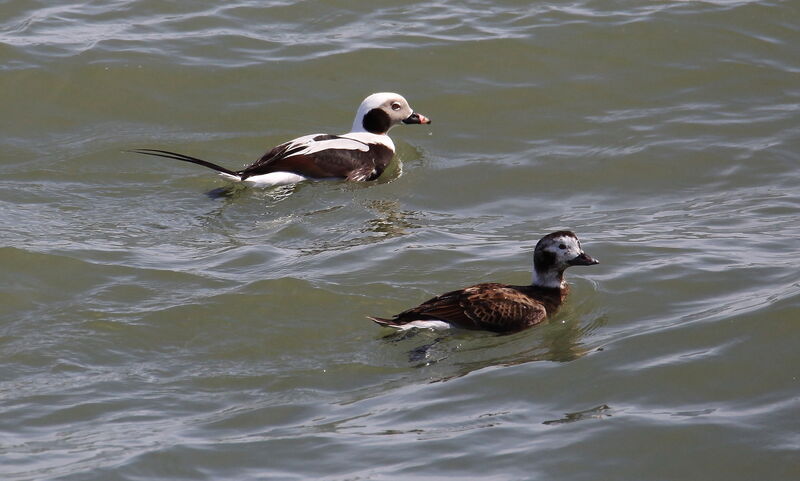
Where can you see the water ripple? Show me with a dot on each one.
(151, 330)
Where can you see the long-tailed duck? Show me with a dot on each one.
(362, 154)
(501, 307)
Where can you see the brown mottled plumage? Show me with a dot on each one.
(501, 307)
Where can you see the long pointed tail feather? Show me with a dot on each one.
(185, 158)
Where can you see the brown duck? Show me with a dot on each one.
(501, 307)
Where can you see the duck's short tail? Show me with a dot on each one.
(186, 158)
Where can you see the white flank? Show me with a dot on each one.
(274, 178)
(424, 325)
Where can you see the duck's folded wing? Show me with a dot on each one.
(317, 155)
(493, 307)
(502, 308)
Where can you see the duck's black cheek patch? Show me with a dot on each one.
(544, 260)
(376, 121)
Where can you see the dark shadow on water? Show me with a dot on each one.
(222, 192)
(422, 353)
(235, 191)
(598, 412)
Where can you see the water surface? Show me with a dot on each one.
(151, 331)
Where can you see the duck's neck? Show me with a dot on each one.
(358, 124)
(551, 278)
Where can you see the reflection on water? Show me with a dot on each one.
(599, 412)
(390, 221)
(236, 189)
(559, 340)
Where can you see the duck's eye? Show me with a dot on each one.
(396, 106)
(562, 246)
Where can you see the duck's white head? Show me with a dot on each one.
(381, 111)
(553, 254)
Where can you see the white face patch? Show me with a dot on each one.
(554, 253)
(565, 248)
(383, 101)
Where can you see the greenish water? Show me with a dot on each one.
(149, 331)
